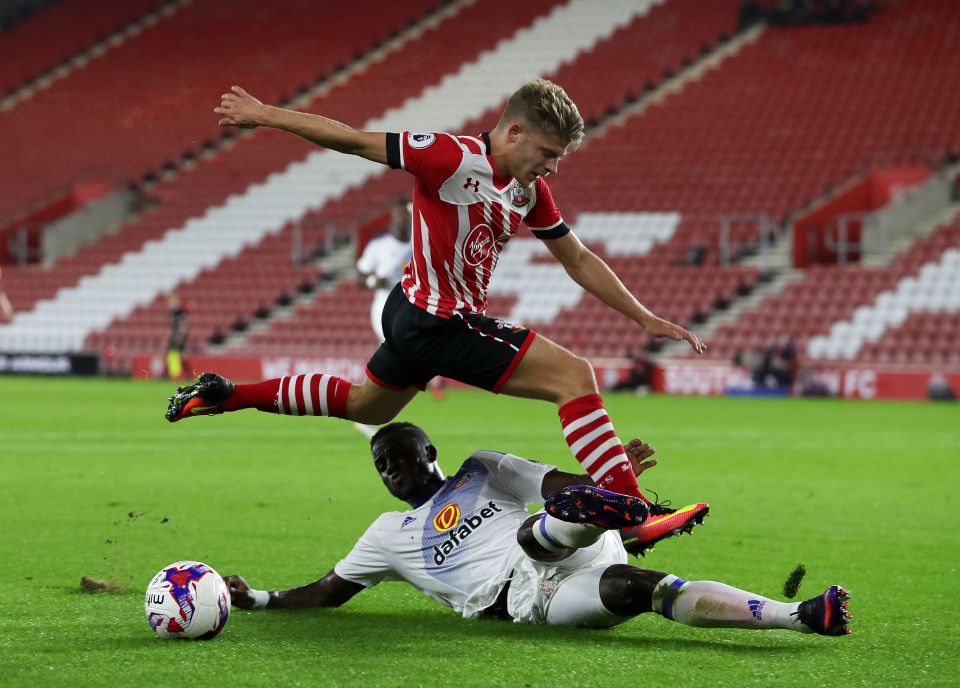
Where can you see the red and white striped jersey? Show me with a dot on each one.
(464, 212)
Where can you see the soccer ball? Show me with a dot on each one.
(187, 599)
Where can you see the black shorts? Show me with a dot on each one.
(470, 348)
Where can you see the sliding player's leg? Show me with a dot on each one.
(576, 517)
(627, 591)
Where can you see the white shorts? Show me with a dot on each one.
(566, 592)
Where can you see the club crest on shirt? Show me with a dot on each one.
(420, 140)
(519, 197)
(461, 481)
(447, 517)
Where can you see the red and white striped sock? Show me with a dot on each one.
(315, 394)
(593, 441)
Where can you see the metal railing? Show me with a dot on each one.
(764, 225)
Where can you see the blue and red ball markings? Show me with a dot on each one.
(179, 580)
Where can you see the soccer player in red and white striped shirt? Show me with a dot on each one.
(471, 194)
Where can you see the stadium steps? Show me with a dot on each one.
(336, 265)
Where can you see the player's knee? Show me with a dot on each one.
(579, 377)
(532, 548)
(627, 590)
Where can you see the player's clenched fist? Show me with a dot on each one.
(239, 592)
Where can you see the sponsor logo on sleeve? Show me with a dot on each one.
(420, 140)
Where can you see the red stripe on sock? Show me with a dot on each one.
(579, 433)
(579, 407)
(261, 396)
(337, 392)
(315, 394)
(282, 397)
(298, 395)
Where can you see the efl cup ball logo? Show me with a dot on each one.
(447, 517)
(478, 246)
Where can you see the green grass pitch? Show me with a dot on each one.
(96, 483)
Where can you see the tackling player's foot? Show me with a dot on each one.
(588, 504)
(663, 522)
(202, 398)
(827, 613)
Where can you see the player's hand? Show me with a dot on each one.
(659, 327)
(239, 109)
(639, 452)
(239, 592)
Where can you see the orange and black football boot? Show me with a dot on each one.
(202, 398)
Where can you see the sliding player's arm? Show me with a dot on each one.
(329, 591)
(240, 109)
(638, 451)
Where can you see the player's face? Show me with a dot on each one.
(535, 154)
(406, 464)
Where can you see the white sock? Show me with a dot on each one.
(555, 535)
(714, 605)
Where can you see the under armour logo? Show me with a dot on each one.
(475, 184)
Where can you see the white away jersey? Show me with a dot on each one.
(464, 212)
(460, 547)
(384, 257)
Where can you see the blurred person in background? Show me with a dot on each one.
(177, 342)
(6, 308)
(383, 259)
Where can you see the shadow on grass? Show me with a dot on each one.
(384, 634)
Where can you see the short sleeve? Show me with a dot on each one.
(432, 158)
(366, 564)
(520, 478)
(366, 264)
(544, 218)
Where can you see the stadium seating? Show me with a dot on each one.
(859, 312)
(208, 182)
(47, 38)
(147, 110)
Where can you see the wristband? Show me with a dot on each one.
(260, 598)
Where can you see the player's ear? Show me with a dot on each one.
(431, 453)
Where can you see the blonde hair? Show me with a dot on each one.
(547, 107)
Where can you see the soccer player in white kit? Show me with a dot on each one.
(382, 261)
(469, 543)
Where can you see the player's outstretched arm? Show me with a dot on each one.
(329, 591)
(590, 271)
(240, 109)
